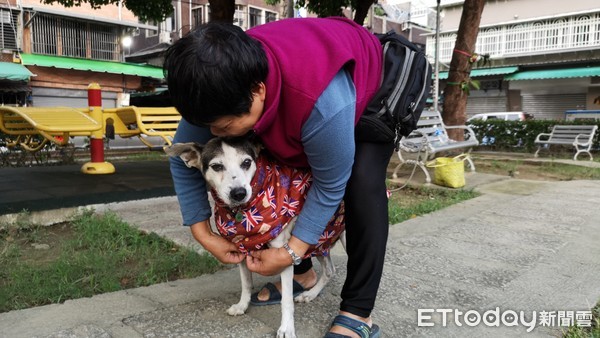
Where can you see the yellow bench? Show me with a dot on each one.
(55, 124)
(137, 121)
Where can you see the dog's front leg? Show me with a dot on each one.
(246, 277)
(287, 330)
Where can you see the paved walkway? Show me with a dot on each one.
(520, 246)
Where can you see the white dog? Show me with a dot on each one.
(251, 212)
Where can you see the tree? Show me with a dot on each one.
(224, 10)
(325, 8)
(145, 10)
(457, 86)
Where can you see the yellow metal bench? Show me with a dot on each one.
(55, 124)
(138, 121)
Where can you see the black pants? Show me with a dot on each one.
(367, 227)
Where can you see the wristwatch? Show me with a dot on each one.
(296, 260)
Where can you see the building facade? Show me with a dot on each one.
(544, 56)
(149, 44)
(66, 49)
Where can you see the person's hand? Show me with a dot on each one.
(272, 261)
(223, 250)
(268, 262)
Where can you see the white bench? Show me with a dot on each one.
(430, 138)
(578, 136)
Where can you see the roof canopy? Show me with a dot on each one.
(14, 72)
(92, 65)
(562, 73)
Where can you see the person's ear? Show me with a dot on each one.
(261, 91)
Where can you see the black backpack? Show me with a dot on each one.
(406, 81)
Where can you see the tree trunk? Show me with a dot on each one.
(362, 10)
(455, 98)
(222, 10)
(289, 8)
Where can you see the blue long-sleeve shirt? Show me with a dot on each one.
(328, 141)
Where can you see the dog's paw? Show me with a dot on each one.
(237, 309)
(306, 296)
(286, 332)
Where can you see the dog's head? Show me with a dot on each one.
(228, 165)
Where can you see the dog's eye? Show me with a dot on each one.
(246, 164)
(217, 167)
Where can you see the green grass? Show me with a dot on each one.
(412, 202)
(101, 254)
(570, 172)
(586, 332)
(96, 254)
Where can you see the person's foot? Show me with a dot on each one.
(307, 280)
(347, 332)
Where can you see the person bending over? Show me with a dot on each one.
(300, 86)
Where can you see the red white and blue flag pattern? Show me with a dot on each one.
(278, 195)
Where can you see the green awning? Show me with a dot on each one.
(92, 65)
(562, 73)
(486, 72)
(14, 72)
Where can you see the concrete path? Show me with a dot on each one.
(522, 245)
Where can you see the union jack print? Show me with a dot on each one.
(302, 182)
(271, 197)
(252, 218)
(326, 236)
(290, 206)
(228, 227)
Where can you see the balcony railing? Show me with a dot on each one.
(529, 38)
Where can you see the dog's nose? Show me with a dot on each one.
(237, 194)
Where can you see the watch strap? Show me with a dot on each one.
(296, 260)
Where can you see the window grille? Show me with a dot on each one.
(104, 42)
(52, 35)
(8, 29)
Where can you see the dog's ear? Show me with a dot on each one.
(189, 152)
(257, 146)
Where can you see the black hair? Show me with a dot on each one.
(212, 72)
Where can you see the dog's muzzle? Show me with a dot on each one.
(237, 194)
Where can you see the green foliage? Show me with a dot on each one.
(323, 8)
(519, 135)
(155, 10)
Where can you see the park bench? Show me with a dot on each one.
(430, 138)
(578, 136)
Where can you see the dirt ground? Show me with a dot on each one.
(517, 165)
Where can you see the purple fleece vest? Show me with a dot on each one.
(304, 55)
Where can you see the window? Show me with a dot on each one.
(198, 16)
(8, 26)
(255, 17)
(67, 37)
(169, 24)
(74, 38)
(152, 32)
(239, 17)
(270, 16)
